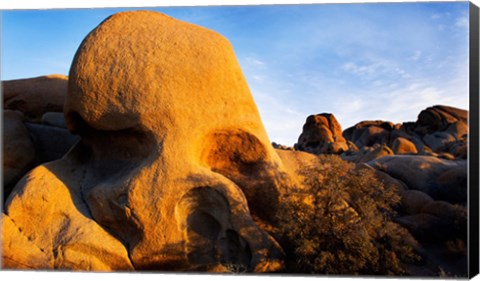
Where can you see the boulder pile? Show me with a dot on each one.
(425, 159)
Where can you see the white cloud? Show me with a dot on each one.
(417, 55)
(461, 22)
(377, 70)
(254, 61)
(258, 77)
(437, 16)
(360, 70)
(284, 105)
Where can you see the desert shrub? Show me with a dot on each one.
(340, 222)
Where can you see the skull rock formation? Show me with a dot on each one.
(322, 134)
(172, 164)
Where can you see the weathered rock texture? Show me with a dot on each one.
(35, 96)
(322, 134)
(18, 149)
(368, 133)
(439, 178)
(440, 131)
(426, 161)
(27, 145)
(172, 162)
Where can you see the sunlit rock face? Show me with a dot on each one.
(322, 134)
(35, 96)
(444, 129)
(369, 133)
(440, 131)
(173, 160)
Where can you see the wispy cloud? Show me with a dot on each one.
(416, 56)
(379, 69)
(461, 22)
(254, 61)
(437, 16)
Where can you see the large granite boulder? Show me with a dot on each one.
(35, 96)
(439, 178)
(369, 133)
(403, 146)
(442, 118)
(18, 149)
(172, 166)
(322, 134)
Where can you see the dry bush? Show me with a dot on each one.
(341, 223)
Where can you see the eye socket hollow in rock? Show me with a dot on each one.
(233, 149)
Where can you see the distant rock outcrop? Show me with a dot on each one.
(426, 161)
(403, 146)
(322, 134)
(440, 131)
(368, 133)
(442, 118)
(35, 96)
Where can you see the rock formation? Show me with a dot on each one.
(439, 131)
(403, 146)
(426, 161)
(322, 134)
(441, 179)
(35, 96)
(172, 164)
(28, 144)
(368, 133)
(18, 149)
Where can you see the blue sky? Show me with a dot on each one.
(360, 62)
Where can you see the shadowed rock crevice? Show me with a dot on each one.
(210, 238)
